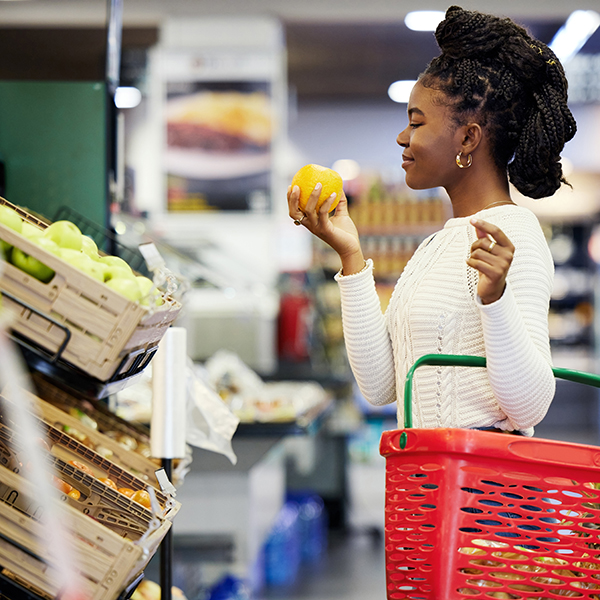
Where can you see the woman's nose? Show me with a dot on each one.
(402, 139)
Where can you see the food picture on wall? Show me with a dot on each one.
(218, 146)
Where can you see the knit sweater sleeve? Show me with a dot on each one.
(515, 330)
(368, 344)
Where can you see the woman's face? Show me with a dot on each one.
(431, 141)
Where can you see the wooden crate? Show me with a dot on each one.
(107, 563)
(117, 511)
(76, 318)
(107, 421)
(143, 467)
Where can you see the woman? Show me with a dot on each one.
(491, 108)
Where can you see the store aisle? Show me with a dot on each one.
(352, 569)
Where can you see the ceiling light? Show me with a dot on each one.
(348, 169)
(576, 31)
(400, 91)
(127, 97)
(423, 20)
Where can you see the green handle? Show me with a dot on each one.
(458, 360)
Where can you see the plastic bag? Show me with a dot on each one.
(209, 422)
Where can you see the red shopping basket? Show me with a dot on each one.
(477, 514)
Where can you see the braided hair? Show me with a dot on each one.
(491, 68)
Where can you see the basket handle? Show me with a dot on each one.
(461, 360)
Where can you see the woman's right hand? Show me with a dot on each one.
(337, 230)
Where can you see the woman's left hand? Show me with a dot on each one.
(491, 255)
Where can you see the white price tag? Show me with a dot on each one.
(164, 482)
(152, 256)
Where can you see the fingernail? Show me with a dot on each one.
(318, 186)
(333, 196)
(474, 221)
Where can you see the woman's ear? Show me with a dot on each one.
(472, 136)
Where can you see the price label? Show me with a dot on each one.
(152, 256)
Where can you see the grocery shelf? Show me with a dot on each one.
(12, 590)
(307, 423)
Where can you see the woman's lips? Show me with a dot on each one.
(406, 160)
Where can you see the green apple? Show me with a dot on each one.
(31, 265)
(30, 231)
(45, 243)
(11, 218)
(88, 245)
(115, 267)
(148, 291)
(82, 262)
(114, 261)
(65, 234)
(126, 286)
(116, 272)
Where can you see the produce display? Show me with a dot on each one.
(65, 240)
(63, 296)
(76, 304)
(308, 177)
(140, 496)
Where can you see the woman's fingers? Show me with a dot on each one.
(491, 233)
(491, 254)
(293, 197)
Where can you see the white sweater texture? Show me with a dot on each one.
(435, 309)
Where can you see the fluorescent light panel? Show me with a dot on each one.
(400, 91)
(577, 30)
(423, 20)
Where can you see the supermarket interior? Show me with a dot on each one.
(203, 436)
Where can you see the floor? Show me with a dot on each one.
(353, 569)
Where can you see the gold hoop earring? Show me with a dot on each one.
(459, 161)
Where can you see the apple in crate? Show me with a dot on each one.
(115, 267)
(148, 291)
(88, 245)
(11, 218)
(81, 261)
(126, 286)
(31, 231)
(115, 261)
(31, 265)
(65, 234)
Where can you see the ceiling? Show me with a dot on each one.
(352, 60)
(152, 12)
(339, 49)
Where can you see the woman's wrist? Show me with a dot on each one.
(353, 263)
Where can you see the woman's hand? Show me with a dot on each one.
(491, 255)
(337, 230)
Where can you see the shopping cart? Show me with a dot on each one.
(478, 514)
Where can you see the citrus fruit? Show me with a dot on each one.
(309, 175)
(73, 493)
(142, 497)
(109, 482)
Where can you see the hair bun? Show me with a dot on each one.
(465, 34)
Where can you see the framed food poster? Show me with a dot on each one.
(218, 145)
(222, 107)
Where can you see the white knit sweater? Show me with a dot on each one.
(435, 309)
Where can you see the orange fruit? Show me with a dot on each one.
(309, 175)
(126, 491)
(79, 465)
(109, 482)
(63, 486)
(75, 494)
(142, 497)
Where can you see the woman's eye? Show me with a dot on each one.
(415, 125)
